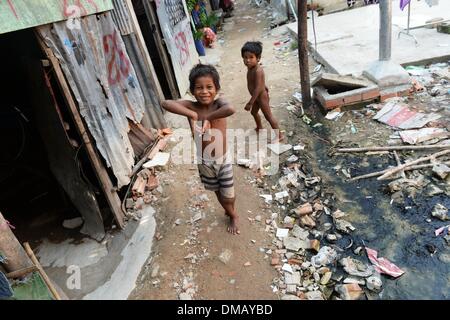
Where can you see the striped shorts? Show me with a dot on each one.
(217, 177)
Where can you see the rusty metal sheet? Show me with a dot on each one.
(22, 14)
(104, 83)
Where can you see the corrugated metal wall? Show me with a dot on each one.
(105, 85)
(153, 116)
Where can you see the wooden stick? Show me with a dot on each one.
(399, 168)
(397, 158)
(41, 271)
(20, 273)
(379, 173)
(390, 148)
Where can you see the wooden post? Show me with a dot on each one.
(11, 249)
(47, 280)
(105, 181)
(302, 31)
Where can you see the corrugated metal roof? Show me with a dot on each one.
(22, 14)
(105, 85)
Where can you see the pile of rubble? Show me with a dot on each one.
(312, 248)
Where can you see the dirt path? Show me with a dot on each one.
(186, 259)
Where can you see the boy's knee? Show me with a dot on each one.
(254, 112)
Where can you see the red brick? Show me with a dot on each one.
(331, 104)
(372, 94)
(353, 98)
(386, 96)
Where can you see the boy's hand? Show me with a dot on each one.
(206, 126)
(248, 106)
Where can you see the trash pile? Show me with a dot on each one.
(313, 248)
(146, 181)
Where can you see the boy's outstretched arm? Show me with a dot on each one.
(260, 86)
(225, 109)
(180, 107)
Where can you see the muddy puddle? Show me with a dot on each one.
(398, 231)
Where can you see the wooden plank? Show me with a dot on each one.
(105, 181)
(47, 280)
(22, 272)
(422, 159)
(390, 148)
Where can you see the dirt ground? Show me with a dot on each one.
(187, 254)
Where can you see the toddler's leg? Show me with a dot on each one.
(255, 114)
(267, 112)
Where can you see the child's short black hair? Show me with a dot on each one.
(202, 70)
(254, 47)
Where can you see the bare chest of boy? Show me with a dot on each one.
(214, 138)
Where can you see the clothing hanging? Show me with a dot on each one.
(404, 3)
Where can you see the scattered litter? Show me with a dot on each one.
(247, 264)
(292, 158)
(440, 212)
(267, 197)
(280, 195)
(421, 135)
(244, 162)
(334, 115)
(444, 229)
(306, 119)
(397, 114)
(441, 170)
(299, 147)
(383, 265)
(160, 159)
(279, 148)
(351, 291)
(287, 267)
(282, 233)
(325, 256)
(356, 268)
(242, 30)
(225, 256)
(374, 283)
(298, 96)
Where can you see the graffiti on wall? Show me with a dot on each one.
(183, 47)
(118, 63)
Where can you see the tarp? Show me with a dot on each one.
(22, 14)
(32, 288)
(98, 69)
(176, 29)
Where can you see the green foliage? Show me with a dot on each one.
(191, 4)
(294, 45)
(211, 20)
(198, 34)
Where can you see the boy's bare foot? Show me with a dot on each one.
(232, 227)
(278, 139)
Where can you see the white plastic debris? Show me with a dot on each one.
(325, 256)
(281, 232)
(160, 159)
(287, 267)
